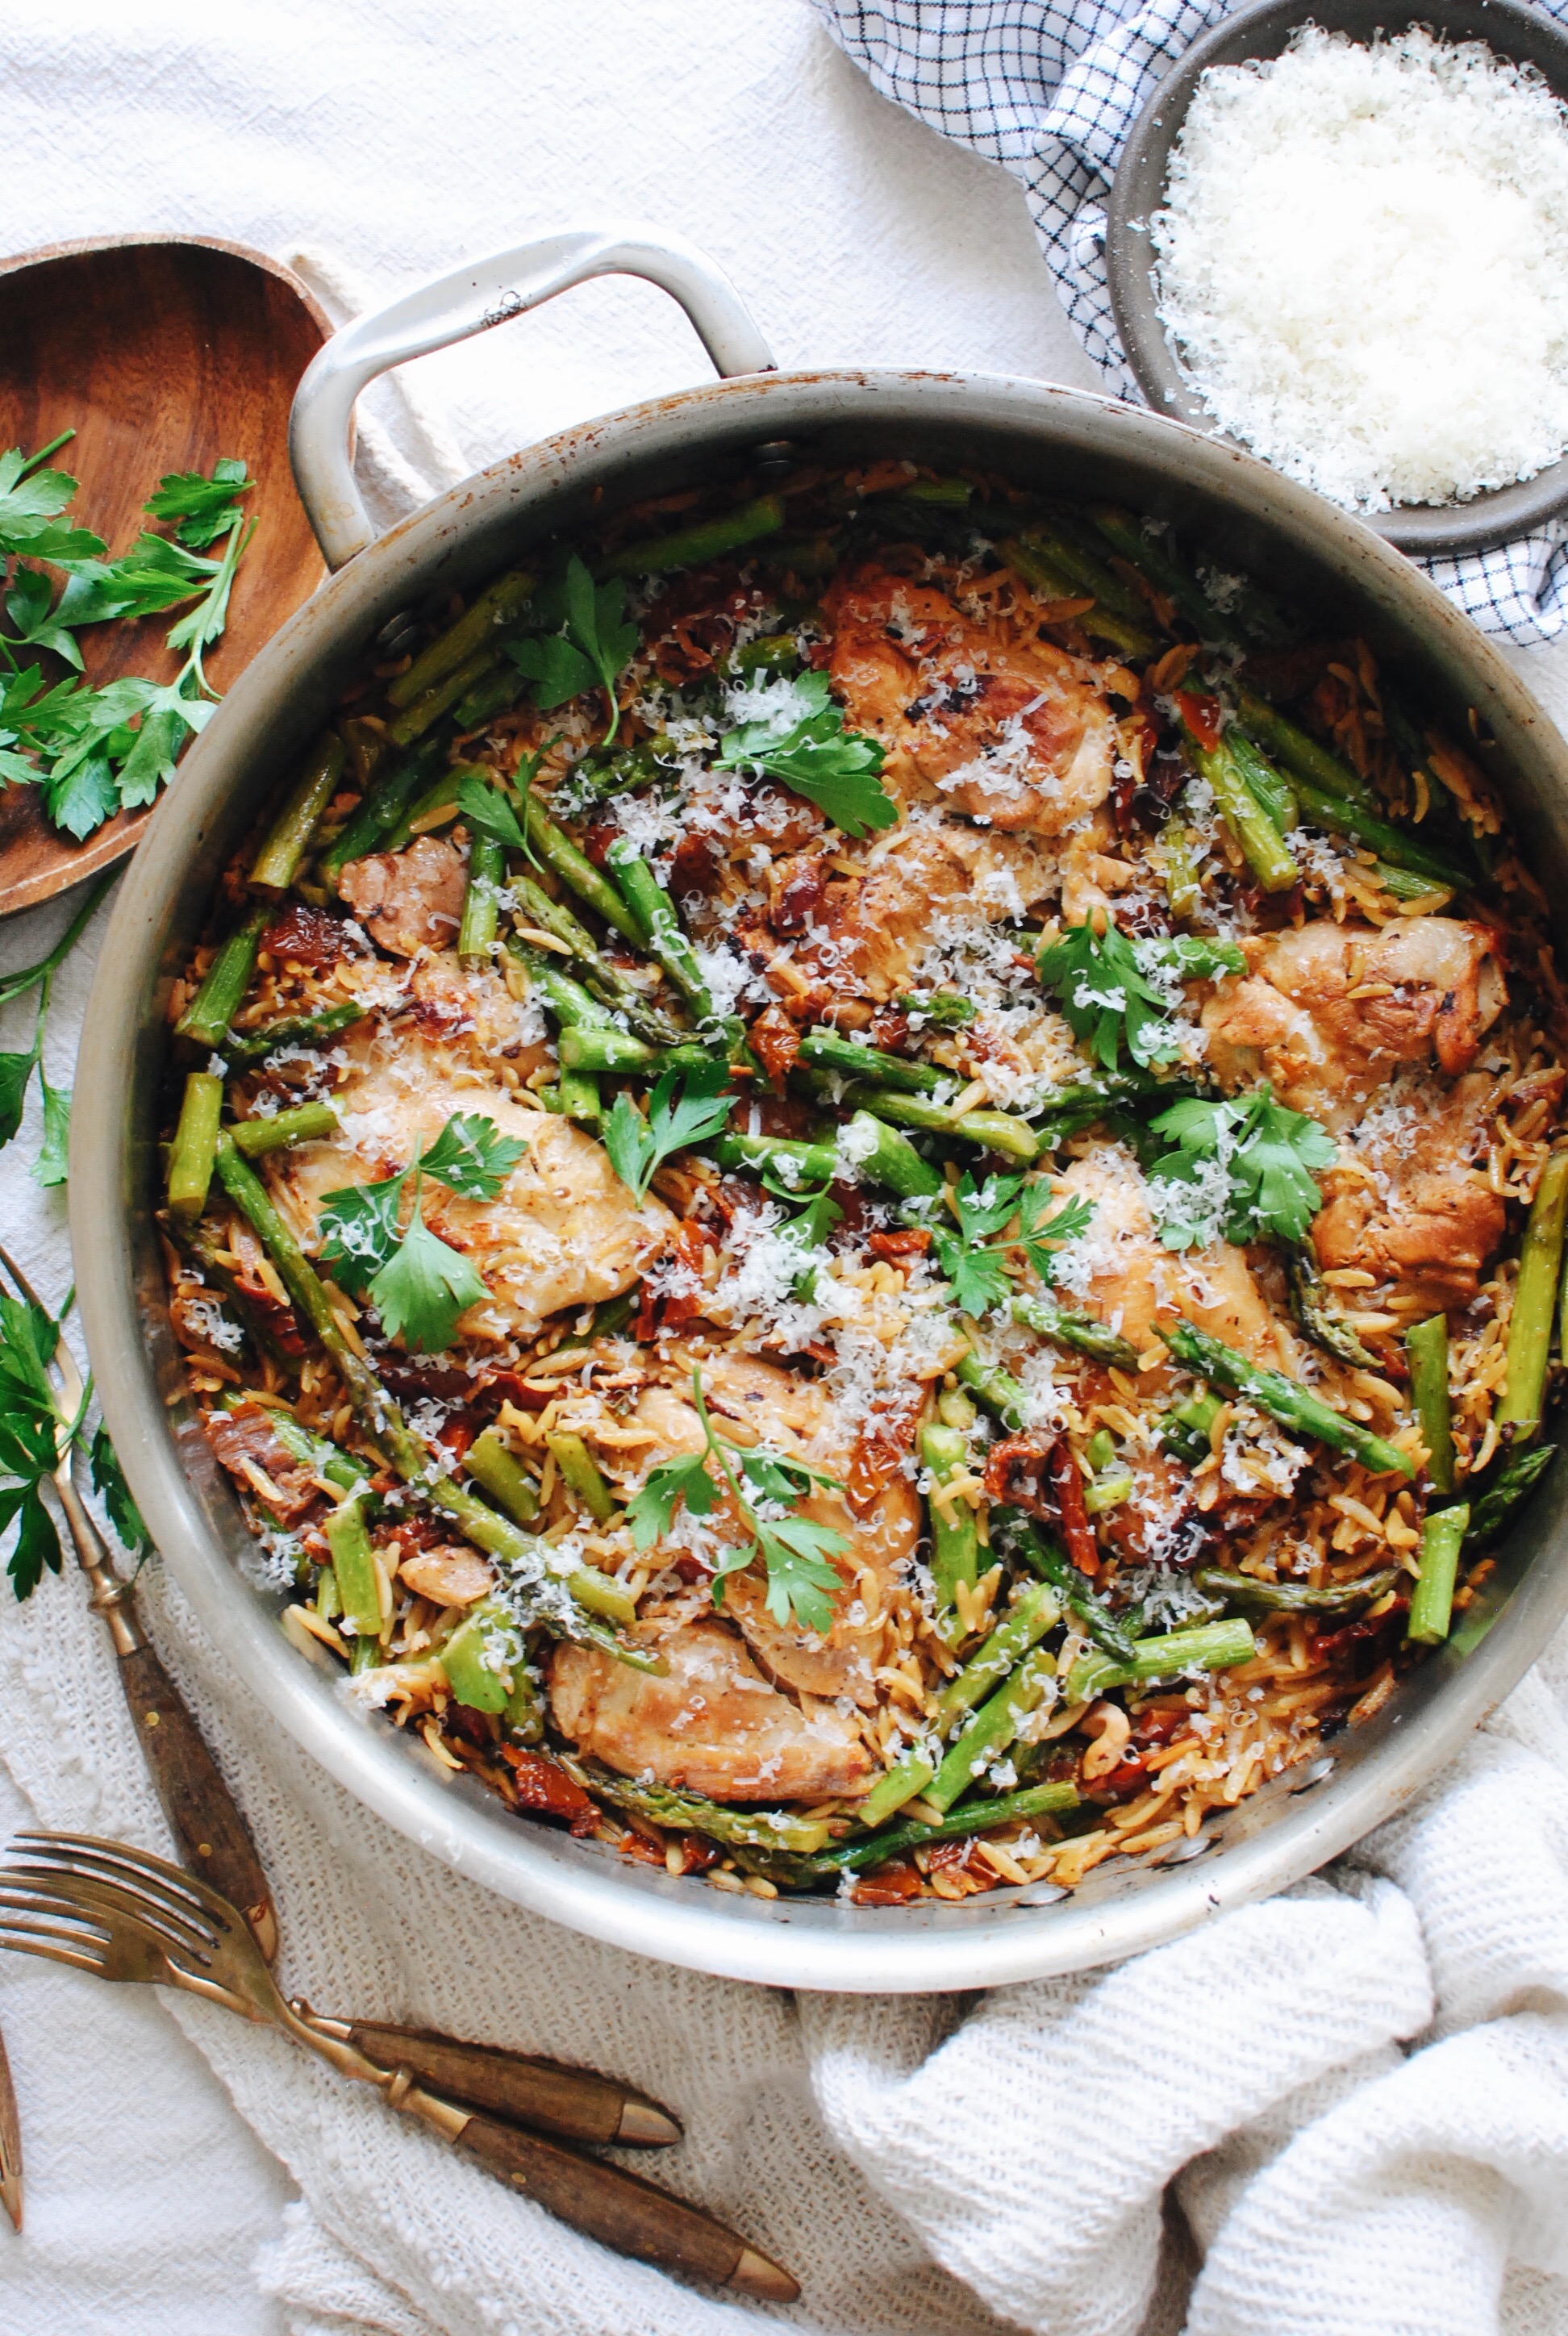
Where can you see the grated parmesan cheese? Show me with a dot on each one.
(1363, 265)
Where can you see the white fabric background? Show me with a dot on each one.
(1354, 2100)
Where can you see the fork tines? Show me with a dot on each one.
(84, 1870)
(67, 1934)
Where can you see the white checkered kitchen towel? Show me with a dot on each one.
(1050, 89)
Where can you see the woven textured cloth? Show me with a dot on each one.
(1343, 2112)
(1050, 90)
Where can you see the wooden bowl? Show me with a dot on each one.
(1509, 30)
(163, 355)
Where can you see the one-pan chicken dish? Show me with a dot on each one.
(861, 1186)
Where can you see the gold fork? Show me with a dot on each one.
(124, 1914)
(572, 2104)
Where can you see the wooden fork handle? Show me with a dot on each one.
(208, 1827)
(572, 2104)
(624, 2212)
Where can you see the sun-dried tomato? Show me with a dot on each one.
(776, 1043)
(1365, 1644)
(1124, 1782)
(544, 1788)
(694, 867)
(881, 1450)
(696, 1852)
(890, 1030)
(913, 1240)
(1015, 1473)
(801, 899)
(1202, 716)
(308, 936)
(892, 1884)
(690, 1247)
(596, 840)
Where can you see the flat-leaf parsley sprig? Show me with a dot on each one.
(976, 1265)
(1242, 1168)
(419, 1285)
(804, 743)
(636, 1146)
(592, 643)
(34, 1437)
(1114, 990)
(766, 1487)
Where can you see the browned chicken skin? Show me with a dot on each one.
(1026, 725)
(1327, 1012)
(711, 1724)
(1410, 1206)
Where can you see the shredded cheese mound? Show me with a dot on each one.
(1363, 266)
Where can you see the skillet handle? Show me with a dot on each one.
(472, 299)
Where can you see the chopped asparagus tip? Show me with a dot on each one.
(1426, 1347)
(993, 1728)
(580, 1473)
(1390, 843)
(1432, 1602)
(691, 547)
(1514, 1480)
(995, 1390)
(428, 707)
(191, 1161)
(579, 875)
(687, 1813)
(606, 981)
(242, 1049)
(1535, 1301)
(883, 1156)
(225, 983)
(1301, 753)
(480, 909)
(1294, 1597)
(494, 1468)
(993, 1131)
(814, 1164)
(1202, 1646)
(329, 1460)
(277, 863)
(1284, 1400)
(1168, 575)
(480, 626)
(891, 1790)
(306, 1122)
(1066, 1328)
(975, 1816)
(353, 1566)
(380, 812)
(1311, 1304)
(1256, 836)
(826, 1051)
(619, 1055)
(1033, 1613)
(1042, 564)
(955, 1540)
(654, 910)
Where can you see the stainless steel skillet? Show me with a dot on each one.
(1245, 516)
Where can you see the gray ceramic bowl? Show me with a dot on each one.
(1263, 31)
(1246, 517)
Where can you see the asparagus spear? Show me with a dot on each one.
(1294, 1597)
(1311, 1304)
(826, 1050)
(1259, 841)
(304, 1123)
(494, 1468)
(247, 1046)
(355, 1571)
(1202, 1646)
(975, 1816)
(1432, 1605)
(578, 874)
(326, 1459)
(579, 1473)
(380, 811)
(480, 911)
(1124, 534)
(693, 547)
(687, 1813)
(995, 1390)
(1022, 1539)
(493, 692)
(1047, 563)
(1066, 1327)
(606, 981)
(495, 610)
(420, 712)
(993, 1728)
(621, 1055)
(883, 1156)
(277, 863)
(1032, 1613)
(654, 910)
(955, 1540)
(994, 1131)
(812, 1164)
(1265, 784)
(1535, 1301)
(1284, 1400)
(381, 1418)
(1390, 843)
(195, 1144)
(225, 982)
(1519, 1473)
(1426, 1346)
(1301, 753)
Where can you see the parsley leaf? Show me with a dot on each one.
(486, 808)
(793, 1549)
(109, 1479)
(1240, 1170)
(29, 604)
(30, 504)
(204, 508)
(592, 641)
(637, 1145)
(424, 1287)
(806, 746)
(1103, 983)
(418, 1284)
(975, 1267)
(153, 575)
(50, 1167)
(33, 1438)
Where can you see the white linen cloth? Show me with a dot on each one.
(1051, 89)
(1343, 2112)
